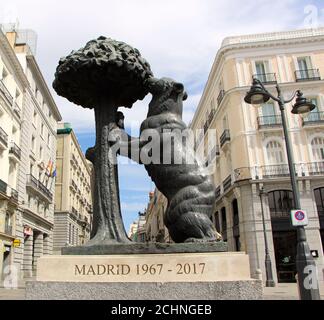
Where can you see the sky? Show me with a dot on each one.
(179, 38)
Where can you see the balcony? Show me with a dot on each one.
(314, 118)
(266, 78)
(316, 168)
(213, 154)
(3, 139)
(15, 151)
(227, 183)
(217, 192)
(17, 110)
(6, 93)
(225, 137)
(275, 171)
(307, 75)
(274, 121)
(220, 97)
(39, 188)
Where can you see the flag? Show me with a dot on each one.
(54, 173)
(49, 168)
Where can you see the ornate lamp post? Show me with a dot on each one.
(258, 94)
(269, 282)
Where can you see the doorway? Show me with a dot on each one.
(6, 261)
(285, 245)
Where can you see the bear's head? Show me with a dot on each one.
(167, 96)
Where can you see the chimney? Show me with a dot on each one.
(12, 37)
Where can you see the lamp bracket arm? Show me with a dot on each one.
(292, 98)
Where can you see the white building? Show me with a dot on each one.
(34, 183)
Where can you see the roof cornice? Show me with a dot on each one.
(263, 40)
(14, 62)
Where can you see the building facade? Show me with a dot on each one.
(13, 84)
(73, 199)
(35, 157)
(250, 153)
(244, 146)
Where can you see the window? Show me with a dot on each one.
(41, 153)
(268, 112)
(314, 114)
(35, 118)
(42, 129)
(275, 153)
(318, 148)
(304, 64)
(5, 75)
(33, 144)
(224, 224)
(225, 123)
(281, 202)
(217, 225)
(48, 140)
(262, 69)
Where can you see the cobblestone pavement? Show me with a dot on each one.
(280, 292)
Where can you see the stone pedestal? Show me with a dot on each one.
(172, 276)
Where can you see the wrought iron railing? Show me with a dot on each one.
(269, 121)
(15, 150)
(308, 75)
(225, 137)
(6, 92)
(17, 110)
(38, 185)
(314, 117)
(266, 78)
(3, 137)
(227, 183)
(218, 192)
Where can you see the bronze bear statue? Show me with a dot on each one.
(189, 190)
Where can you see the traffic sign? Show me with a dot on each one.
(299, 218)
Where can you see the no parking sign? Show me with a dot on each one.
(299, 218)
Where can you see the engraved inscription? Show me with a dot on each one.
(139, 269)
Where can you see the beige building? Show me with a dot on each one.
(73, 202)
(154, 227)
(31, 153)
(249, 152)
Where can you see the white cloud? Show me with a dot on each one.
(131, 207)
(178, 37)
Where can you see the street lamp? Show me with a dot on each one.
(269, 277)
(258, 94)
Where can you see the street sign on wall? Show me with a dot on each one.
(299, 218)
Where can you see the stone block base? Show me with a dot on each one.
(170, 276)
(220, 290)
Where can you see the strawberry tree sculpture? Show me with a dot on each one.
(104, 75)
